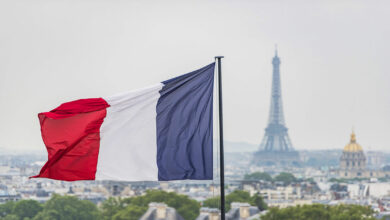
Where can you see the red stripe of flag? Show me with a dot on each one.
(72, 138)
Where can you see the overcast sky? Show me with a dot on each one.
(334, 54)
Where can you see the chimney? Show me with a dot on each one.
(161, 209)
(212, 213)
(243, 208)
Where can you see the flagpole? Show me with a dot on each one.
(221, 154)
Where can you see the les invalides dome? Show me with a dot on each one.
(353, 160)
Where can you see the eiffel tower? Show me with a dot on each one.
(276, 147)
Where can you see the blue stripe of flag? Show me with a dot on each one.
(185, 126)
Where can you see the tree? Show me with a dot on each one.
(47, 215)
(27, 208)
(68, 208)
(214, 202)
(286, 178)
(131, 207)
(110, 207)
(259, 202)
(131, 212)
(6, 208)
(10, 217)
(236, 196)
(258, 176)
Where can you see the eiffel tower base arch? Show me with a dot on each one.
(276, 158)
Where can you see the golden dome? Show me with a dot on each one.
(353, 146)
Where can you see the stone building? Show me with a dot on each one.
(160, 211)
(238, 211)
(353, 162)
(209, 214)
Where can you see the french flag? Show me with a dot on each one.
(160, 133)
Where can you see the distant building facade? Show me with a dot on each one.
(375, 159)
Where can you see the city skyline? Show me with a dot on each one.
(334, 68)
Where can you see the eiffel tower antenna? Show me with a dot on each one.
(276, 50)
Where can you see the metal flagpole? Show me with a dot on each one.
(222, 165)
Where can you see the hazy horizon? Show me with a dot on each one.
(230, 147)
(333, 55)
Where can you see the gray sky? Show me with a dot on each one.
(334, 54)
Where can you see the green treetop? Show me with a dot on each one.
(258, 176)
(236, 196)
